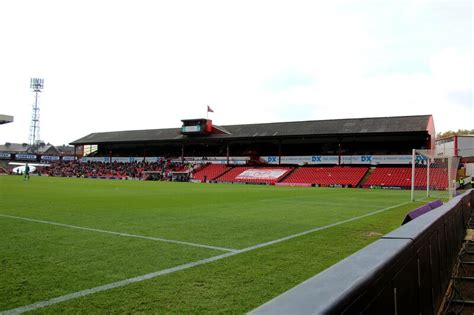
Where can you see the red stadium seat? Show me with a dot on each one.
(327, 176)
(210, 171)
(401, 177)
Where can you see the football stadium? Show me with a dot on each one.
(360, 215)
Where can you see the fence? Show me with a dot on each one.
(405, 272)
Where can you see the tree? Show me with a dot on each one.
(451, 133)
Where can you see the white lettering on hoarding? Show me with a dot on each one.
(50, 158)
(261, 174)
(25, 157)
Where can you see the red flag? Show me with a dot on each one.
(209, 110)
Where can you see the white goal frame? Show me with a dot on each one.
(430, 156)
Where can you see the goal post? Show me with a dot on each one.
(433, 175)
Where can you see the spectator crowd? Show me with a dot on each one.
(134, 170)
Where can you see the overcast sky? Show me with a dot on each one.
(124, 65)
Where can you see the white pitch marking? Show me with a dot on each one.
(113, 285)
(322, 227)
(319, 203)
(120, 234)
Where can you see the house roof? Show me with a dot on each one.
(374, 125)
(65, 149)
(46, 148)
(14, 147)
(41, 149)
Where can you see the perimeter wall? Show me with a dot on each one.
(405, 272)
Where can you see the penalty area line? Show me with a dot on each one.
(120, 233)
(113, 285)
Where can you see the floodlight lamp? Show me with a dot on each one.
(36, 84)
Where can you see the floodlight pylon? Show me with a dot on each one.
(37, 85)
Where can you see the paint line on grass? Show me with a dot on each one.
(120, 234)
(319, 203)
(113, 285)
(323, 227)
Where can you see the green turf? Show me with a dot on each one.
(41, 261)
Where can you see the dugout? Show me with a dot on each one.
(201, 138)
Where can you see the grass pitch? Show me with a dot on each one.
(62, 236)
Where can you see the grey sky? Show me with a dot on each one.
(120, 65)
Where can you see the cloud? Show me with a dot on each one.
(288, 80)
(461, 97)
(121, 65)
(452, 69)
(444, 92)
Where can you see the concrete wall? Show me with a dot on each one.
(405, 272)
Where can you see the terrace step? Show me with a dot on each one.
(366, 177)
(288, 174)
(225, 172)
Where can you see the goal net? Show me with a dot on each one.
(433, 175)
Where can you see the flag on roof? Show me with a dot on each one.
(209, 109)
